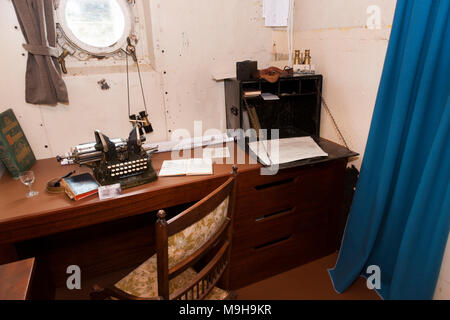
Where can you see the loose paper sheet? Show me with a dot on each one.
(173, 168)
(276, 12)
(275, 152)
(197, 167)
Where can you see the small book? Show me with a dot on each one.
(15, 151)
(80, 186)
(186, 167)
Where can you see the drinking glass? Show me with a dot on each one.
(27, 178)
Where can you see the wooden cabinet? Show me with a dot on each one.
(285, 220)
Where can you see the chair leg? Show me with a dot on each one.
(232, 296)
(98, 293)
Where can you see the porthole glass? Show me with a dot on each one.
(94, 28)
(99, 23)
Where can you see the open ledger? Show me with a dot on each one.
(186, 167)
(275, 152)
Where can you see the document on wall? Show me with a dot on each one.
(276, 152)
(276, 12)
(186, 167)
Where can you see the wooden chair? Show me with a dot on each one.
(202, 234)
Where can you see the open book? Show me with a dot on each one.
(186, 167)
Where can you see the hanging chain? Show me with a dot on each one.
(131, 51)
(142, 87)
(336, 127)
(128, 86)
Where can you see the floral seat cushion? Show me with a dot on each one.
(142, 282)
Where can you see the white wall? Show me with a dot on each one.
(198, 37)
(350, 57)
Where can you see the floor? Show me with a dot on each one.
(308, 282)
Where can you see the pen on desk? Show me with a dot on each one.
(58, 183)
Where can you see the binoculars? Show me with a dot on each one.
(142, 122)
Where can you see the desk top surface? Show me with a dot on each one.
(14, 204)
(15, 207)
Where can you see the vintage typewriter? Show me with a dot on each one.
(113, 161)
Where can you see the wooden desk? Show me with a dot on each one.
(23, 219)
(106, 236)
(15, 279)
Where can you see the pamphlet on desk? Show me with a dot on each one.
(186, 167)
(276, 152)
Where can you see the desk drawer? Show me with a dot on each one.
(257, 263)
(254, 232)
(285, 220)
(304, 188)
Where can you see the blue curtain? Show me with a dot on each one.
(400, 216)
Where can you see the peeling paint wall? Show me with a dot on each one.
(53, 130)
(197, 39)
(192, 40)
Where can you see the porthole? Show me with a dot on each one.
(94, 28)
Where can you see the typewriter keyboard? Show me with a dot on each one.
(129, 168)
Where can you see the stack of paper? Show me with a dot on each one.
(186, 167)
(276, 152)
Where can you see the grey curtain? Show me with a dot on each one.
(43, 80)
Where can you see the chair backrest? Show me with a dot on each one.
(188, 237)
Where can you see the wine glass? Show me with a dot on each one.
(27, 178)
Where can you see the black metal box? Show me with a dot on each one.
(246, 69)
(297, 112)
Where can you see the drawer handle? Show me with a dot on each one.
(275, 214)
(274, 184)
(272, 243)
